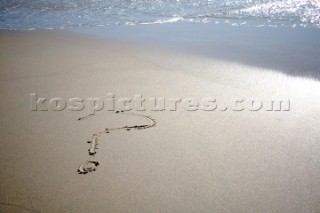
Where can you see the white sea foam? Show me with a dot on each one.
(163, 21)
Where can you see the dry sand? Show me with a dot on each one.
(220, 161)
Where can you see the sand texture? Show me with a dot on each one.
(189, 161)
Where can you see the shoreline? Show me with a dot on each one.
(292, 51)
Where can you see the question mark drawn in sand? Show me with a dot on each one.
(90, 165)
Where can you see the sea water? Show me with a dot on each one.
(61, 14)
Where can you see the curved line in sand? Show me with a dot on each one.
(90, 166)
(20, 207)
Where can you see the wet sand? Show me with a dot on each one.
(190, 161)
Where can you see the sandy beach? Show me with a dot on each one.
(188, 161)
